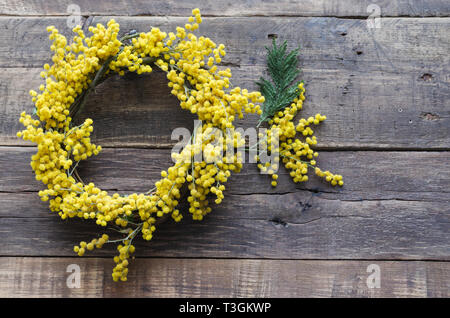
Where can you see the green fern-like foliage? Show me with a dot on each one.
(282, 88)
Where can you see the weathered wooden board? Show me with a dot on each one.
(357, 8)
(375, 94)
(141, 113)
(46, 277)
(396, 203)
(368, 175)
(325, 41)
(299, 225)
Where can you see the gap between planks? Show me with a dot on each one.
(145, 257)
(349, 17)
(318, 148)
(280, 8)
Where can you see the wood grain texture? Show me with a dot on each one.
(375, 94)
(357, 8)
(368, 175)
(46, 277)
(392, 206)
(323, 39)
(290, 226)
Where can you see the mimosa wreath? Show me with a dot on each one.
(191, 66)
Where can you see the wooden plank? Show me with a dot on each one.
(142, 113)
(348, 43)
(46, 277)
(140, 110)
(300, 225)
(368, 175)
(375, 95)
(357, 8)
(394, 204)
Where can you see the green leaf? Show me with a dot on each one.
(281, 89)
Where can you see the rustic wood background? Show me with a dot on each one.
(386, 94)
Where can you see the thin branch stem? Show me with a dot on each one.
(305, 162)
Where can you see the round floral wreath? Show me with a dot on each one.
(190, 64)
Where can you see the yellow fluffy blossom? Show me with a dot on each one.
(297, 155)
(84, 61)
